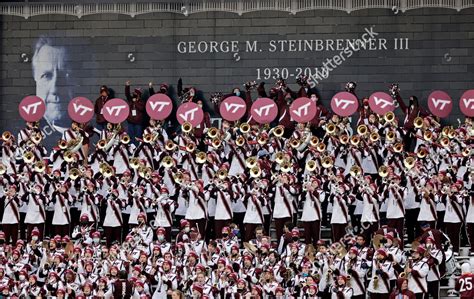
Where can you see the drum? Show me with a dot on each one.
(450, 263)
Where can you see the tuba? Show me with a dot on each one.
(7, 135)
(167, 162)
(278, 131)
(418, 122)
(244, 128)
(186, 127)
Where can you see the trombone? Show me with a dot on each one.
(125, 139)
(409, 162)
(362, 130)
(244, 128)
(186, 127)
(278, 131)
(389, 117)
(310, 165)
(213, 132)
(167, 162)
(418, 122)
(74, 173)
(40, 166)
(201, 157)
(240, 141)
(7, 135)
(327, 162)
(331, 128)
(28, 157)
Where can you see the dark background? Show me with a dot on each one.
(441, 43)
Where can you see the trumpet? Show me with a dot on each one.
(101, 143)
(244, 128)
(428, 136)
(212, 133)
(310, 165)
(390, 136)
(125, 139)
(7, 135)
(240, 141)
(445, 142)
(279, 157)
(389, 117)
(40, 166)
(452, 133)
(383, 171)
(190, 147)
(418, 122)
(108, 172)
(74, 173)
(167, 162)
(62, 144)
(262, 139)
(355, 171)
(362, 130)
(255, 172)
(327, 162)
(251, 162)
(170, 145)
(103, 166)
(148, 138)
(216, 143)
(134, 162)
(331, 128)
(28, 157)
(186, 127)
(445, 131)
(178, 177)
(344, 139)
(201, 157)
(3, 169)
(222, 173)
(314, 141)
(409, 162)
(279, 131)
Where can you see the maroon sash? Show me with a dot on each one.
(40, 206)
(257, 207)
(12, 202)
(168, 215)
(200, 203)
(456, 209)
(124, 157)
(343, 208)
(286, 201)
(139, 204)
(226, 204)
(91, 204)
(117, 212)
(238, 157)
(418, 282)
(315, 199)
(63, 207)
(399, 199)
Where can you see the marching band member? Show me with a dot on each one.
(11, 214)
(35, 215)
(417, 271)
(382, 269)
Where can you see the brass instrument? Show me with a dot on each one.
(331, 128)
(125, 139)
(398, 147)
(62, 144)
(405, 273)
(40, 166)
(445, 141)
(389, 117)
(36, 138)
(144, 172)
(101, 143)
(240, 141)
(186, 127)
(74, 173)
(148, 137)
(216, 142)
(390, 136)
(69, 156)
(327, 162)
(28, 157)
(355, 171)
(279, 157)
(134, 162)
(466, 152)
(452, 133)
(7, 135)
(178, 177)
(421, 153)
(418, 122)
(383, 171)
(314, 141)
(262, 139)
(374, 137)
(310, 165)
(167, 162)
(3, 168)
(362, 130)
(285, 166)
(103, 166)
(108, 172)
(344, 139)
(377, 241)
(321, 147)
(355, 140)
(294, 143)
(428, 136)
(409, 162)
(279, 131)
(445, 131)
(170, 145)
(255, 172)
(201, 157)
(190, 147)
(251, 162)
(212, 133)
(244, 128)
(222, 173)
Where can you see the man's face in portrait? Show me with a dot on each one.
(52, 81)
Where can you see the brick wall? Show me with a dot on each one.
(440, 55)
